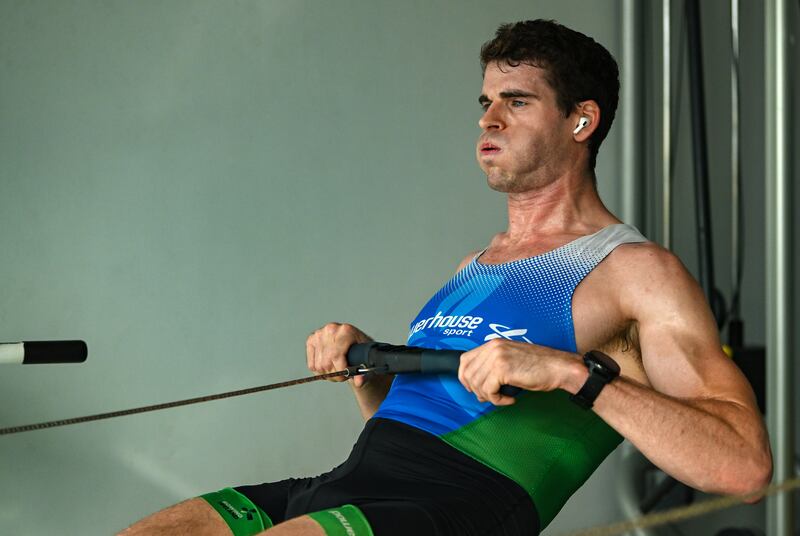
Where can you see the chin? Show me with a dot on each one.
(501, 182)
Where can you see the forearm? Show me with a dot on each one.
(371, 394)
(711, 445)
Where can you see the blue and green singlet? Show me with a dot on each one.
(544, 442)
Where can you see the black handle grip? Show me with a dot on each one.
(391, 359)
(40, 352)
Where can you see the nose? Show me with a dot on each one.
(492, 118)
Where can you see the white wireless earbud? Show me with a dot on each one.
(581, 124)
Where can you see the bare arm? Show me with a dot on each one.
(714, 445)
(326, 351)
(372, 394)
(697, 420)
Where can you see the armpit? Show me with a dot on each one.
(625, 350)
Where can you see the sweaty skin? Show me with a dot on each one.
(680, 400)
(326, 351)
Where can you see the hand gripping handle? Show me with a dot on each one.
(389, 359)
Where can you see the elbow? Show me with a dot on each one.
(754, 478)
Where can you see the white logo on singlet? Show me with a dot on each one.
(507, 333)
(451, 325)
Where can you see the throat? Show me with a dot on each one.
(502, 251)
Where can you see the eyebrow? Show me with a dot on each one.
(508, 94)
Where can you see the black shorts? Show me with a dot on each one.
(407, 481)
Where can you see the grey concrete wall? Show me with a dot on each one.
(192, 187)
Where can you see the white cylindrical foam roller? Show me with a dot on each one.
(12, 353)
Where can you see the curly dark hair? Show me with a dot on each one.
(578, 68)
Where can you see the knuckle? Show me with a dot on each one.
(494, 344)
(352, 332)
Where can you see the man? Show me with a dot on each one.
(558, 305)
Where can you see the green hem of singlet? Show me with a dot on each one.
(241, 515)
(346, 520)
(544, 442)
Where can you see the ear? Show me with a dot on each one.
(591, 111)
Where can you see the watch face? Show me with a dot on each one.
(602, 364)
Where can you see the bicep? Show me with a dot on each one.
(680, 347)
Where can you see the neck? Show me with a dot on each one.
(568, 205)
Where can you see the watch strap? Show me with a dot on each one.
(589, 392)
(602, 370)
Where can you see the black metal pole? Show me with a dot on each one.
(700, 153)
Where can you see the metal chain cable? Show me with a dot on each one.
(685, 512)
(348, 372)
(650, 520)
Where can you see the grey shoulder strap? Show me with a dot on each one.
(607, 239)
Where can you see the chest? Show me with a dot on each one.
(561, 302)
(600, 324)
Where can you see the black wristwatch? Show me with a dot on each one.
(602, 370)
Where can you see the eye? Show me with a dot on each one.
(518, 103)
(485, 105)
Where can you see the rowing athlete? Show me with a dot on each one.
(605, 332)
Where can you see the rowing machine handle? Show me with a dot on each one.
(42, 352)
(391, 359)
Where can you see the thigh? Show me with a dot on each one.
(444, 516)
(399, 518)
(271, 497)
(387, 518)
(194, 516)
(299, 526)
(406, 481)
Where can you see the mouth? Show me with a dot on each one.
(487, 149)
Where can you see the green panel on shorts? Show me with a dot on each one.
(544, 442)
(346, 520)
(242, 516)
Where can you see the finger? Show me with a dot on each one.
(319, 354)
(346, 336)
(491, 388)
(329, 359)
(462, 376)
(310, 350)
(478, 378)
(315, 347)
(503, 400)
(333, 360)
(337, 357)
(465, 366)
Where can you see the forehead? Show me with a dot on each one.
(502, 76)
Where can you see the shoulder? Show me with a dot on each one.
(670, 312)
(645, 263)
(651, 278)
(468, 259)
